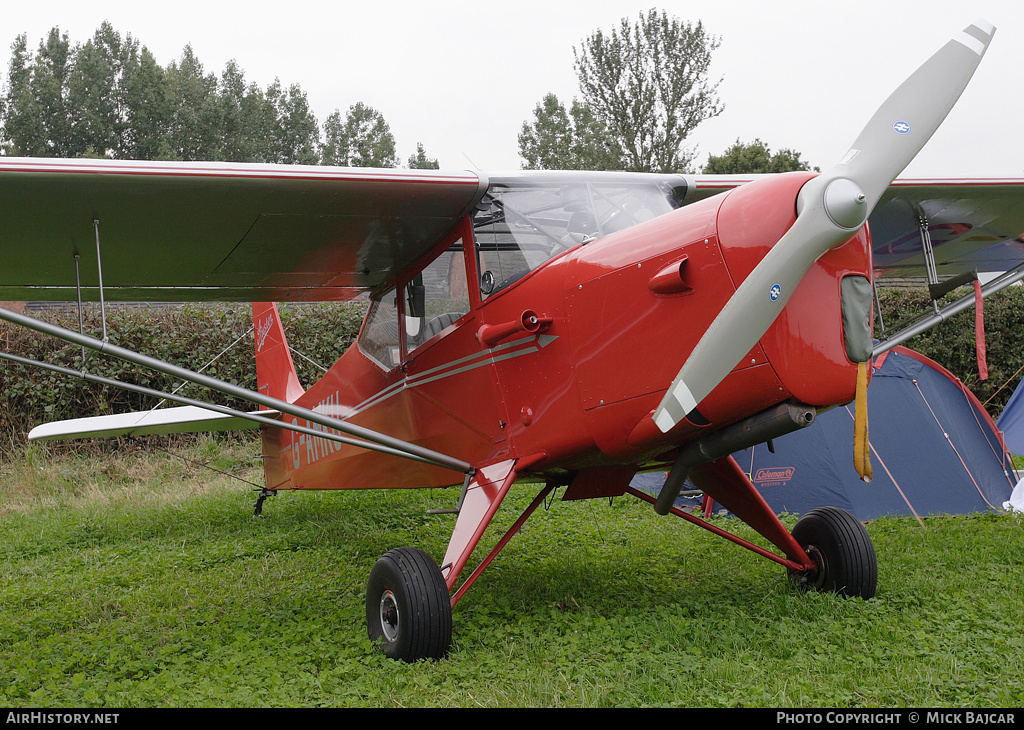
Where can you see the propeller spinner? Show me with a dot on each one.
(830, 209)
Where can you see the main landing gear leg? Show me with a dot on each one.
(828, 550)
(408, 601)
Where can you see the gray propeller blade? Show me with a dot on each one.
(830, 209)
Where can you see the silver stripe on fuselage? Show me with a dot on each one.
(315, 450)
(506, 351)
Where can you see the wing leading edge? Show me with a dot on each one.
(172, 231)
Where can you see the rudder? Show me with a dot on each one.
(275, 370)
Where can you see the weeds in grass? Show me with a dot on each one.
(139, 579)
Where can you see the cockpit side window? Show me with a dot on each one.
(379, 338)
(437, 297)
(432, 301)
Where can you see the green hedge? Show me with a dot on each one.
(952, 343)
(194, 335)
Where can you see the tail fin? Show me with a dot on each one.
(275, 370)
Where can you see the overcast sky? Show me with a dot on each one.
(462, 77)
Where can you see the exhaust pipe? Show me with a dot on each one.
(764, 426)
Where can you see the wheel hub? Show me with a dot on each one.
(389, 618)
(817, 577)
(813, 577)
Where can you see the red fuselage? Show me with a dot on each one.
(616, 319)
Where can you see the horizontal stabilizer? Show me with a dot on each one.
(184, 419)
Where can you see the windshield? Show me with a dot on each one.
(521, 224)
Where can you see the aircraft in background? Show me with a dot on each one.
(567, 328)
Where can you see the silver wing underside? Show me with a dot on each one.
(236, 232)
(972, 225)
(217, 231)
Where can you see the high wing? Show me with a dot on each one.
(172, 231)
(974, 224)
(971, 224)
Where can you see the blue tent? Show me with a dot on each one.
(1011, 421)
(934, 450)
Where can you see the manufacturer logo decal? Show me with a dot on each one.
(775, 292)
(262, 330)
(901, 127)
(775, 476)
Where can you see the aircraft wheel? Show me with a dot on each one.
(408, 609)
(842, 549)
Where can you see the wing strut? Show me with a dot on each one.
(998, 284)
(396, 446)
(223, 410)
(929, 256)
(78, 289)
(99, 271)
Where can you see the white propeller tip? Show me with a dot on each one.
(664, 421)
(985, 26)
(677, 403)
(976, 36)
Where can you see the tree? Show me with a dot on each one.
(246, 117)
(22, 133)
(194, 130)
(560, 140)
(99, 94)
(647, 83)
(370, 142)
(363, 139)
(148, 111)
(334, 150)
(752, 158)
(420, 161)
(106, 98)
(110, 98)
(295, 132)
(37, 119)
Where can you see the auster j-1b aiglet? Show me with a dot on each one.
(563, 328)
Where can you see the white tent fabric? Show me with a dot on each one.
(1016, 500)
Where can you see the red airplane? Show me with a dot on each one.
(569, 328)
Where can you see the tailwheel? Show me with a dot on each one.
(408, 610)
(842, 550)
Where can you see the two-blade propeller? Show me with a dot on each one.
(830, 209)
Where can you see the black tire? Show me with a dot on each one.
(408, 609)
(842, 550)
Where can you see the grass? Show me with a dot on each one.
(135, 579)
